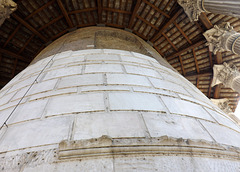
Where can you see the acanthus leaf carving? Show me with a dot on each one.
(7, 7)
(192, 8)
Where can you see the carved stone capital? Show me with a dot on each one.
(193, 8)
(224, 74)
(217, 37)
(7, 7)
(223, 104)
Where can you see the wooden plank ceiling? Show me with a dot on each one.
(36, 23)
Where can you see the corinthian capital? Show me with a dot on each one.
(225, 74)
(217, 37)
(193, 8)
(7, 7)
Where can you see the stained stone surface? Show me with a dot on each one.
(138, 115)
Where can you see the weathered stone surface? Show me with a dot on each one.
(146, 110)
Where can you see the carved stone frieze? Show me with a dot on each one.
(7, 7)
(193, 8)
(224, 74)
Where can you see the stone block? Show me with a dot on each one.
(36, 88)
(21, 135)
(135, 60)
(85, 52)
(174, 126)
(95, 125)
(54, 93)
(81, 80)
(222, 134)
(162, 84)
(62, 72)
(142, 71)
(102, 57)
(135, 102)
(75, 104)
(178, 106)
(221, 119)
(127, 79)
(104, 88)
(102, 68)
(63, 54)
(28, 111)
(69, 60)
(114, 51)
(154, 91)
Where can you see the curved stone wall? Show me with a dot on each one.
(111, 110)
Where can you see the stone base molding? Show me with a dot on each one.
(105, 146)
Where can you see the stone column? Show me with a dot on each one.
(223, 38)
(6, 8)
(223, 104)
(228, 75)
(194, 8)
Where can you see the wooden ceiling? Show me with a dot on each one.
(37, 23)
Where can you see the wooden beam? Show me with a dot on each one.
(154, 38)
(218, 58)
(205, 21)
(195, 59)
(130, 25)
(169, 41)
(210, 88)
(10, 53)
(99, 4)
(65, 14)
(117, 10)
(217, 91)
(197, 82)
(23, 22)
(147, 22)
(186, 49)
(182, 67)
(183, 34)
(207, 72)
(156, 8)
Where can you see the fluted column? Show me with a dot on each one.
(228, 75)
(6, 8)
(223, 104)
(194, 8)
(223, 38)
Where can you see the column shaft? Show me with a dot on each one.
(230, 8)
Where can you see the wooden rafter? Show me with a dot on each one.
(182, 67)
(185, 49)
(169, 41)
(134, 13)
(147, 22)
(154, 38)
(99, 4)
(12, 54)
(23, 22)
(156, 8)
(195, 59)
(65, 14)
(183, 33)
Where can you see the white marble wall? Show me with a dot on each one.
(89, 93)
